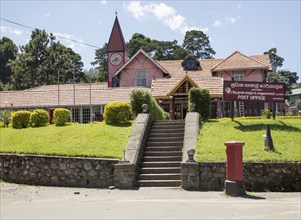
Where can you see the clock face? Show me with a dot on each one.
(115, 59)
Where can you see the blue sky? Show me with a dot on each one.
(251, 27)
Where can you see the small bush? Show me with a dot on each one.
(117, 113)
(201, 99)
(61, 116)
(266, 114)
(39, 118)
(140, 97)
(5, 118)
(20, 119)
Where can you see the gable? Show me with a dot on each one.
(237, 60)
(142, 60)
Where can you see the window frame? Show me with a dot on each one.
(139, 78)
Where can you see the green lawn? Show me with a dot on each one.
(95, 140)
(286, 134)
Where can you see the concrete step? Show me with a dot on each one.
(165, 148)
(172, 127)
(162, 158)
(160, 170)
(161, 164)
(167, 130)
(163, 176)
(161, 144)
(159, 183)
(162, 153)
(175, 122)
(164, 134)
(165, 139)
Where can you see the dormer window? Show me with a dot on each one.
(191, 64)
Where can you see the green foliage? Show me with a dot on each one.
(5, 117)
(117, 113)
(276, 60)
(201, 99)
(140, 97)
(39, 118)
(197, 43)
(101, 63)
(266, 114)
(8, 52)
(20, 119)
(41, 60)
(61, 116)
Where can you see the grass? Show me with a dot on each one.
(93, 140)
(286, 134)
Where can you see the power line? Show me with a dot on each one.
(65, 38)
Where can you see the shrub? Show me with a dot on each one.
(266, 114)
(39, 118)
(5, 118)
(117, 113)
(140, 97)
(61, 116)
(201, 99)
(20, 119)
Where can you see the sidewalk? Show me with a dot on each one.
(35, 202)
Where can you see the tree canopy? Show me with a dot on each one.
(276, 60)
(43, 61)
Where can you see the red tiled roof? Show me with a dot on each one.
(162, 87)
(48, 97)
(238, 60)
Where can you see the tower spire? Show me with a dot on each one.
(116, 41)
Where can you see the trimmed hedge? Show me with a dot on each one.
(140, 97)
(20, 119)
(39, 118)
(201, 99)
(61, 116)
(117, 113)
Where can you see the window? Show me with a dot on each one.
(238, 75)
(141, 78)
(191, 64)
(86, 115)
(75, 115)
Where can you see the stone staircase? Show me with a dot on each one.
(161, 160)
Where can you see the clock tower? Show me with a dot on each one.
(116, 51)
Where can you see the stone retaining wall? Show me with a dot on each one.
(57, 171)
(257, 176)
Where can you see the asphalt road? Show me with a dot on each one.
(35, 202)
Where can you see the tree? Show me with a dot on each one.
(276, 60)
(289, 76)
(197, 43)
(43, 61)
(139, 41)
(101, 63)
(8, 52)
(168, 50)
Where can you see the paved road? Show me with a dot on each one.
(34, 202)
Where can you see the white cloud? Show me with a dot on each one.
(163, 13)
(238, 7)
(225, 22)
(10, 30)
(104, 2)
(218, 23)
(47, 15)
(69, 41)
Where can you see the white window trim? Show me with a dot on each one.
(137, 78)
(239, 75)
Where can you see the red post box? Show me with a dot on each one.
(234, 168)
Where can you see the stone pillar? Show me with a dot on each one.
(124, 175)
(190, 176)
(234, 185)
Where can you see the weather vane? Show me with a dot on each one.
(116, 12)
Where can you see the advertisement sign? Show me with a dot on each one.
(253, 91)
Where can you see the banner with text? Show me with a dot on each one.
(253, 91)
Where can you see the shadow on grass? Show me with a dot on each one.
(127, 124)
(261, 126)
